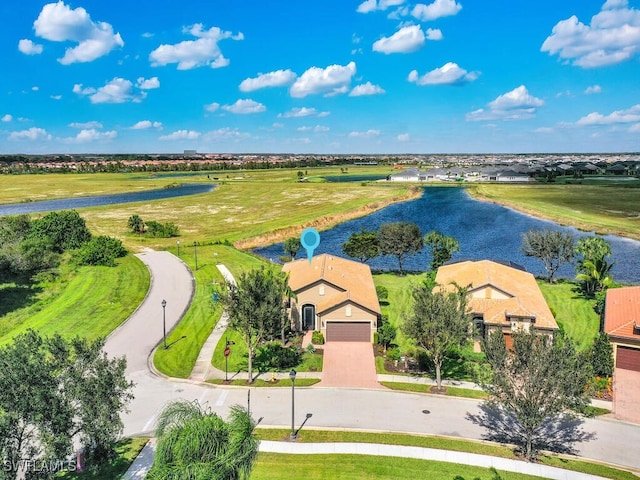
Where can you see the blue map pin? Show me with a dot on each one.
(310, 239)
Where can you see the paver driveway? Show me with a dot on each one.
(349, 364)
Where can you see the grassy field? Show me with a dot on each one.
(421, 388)
(573, 312)
(612, 209)
(89, 301)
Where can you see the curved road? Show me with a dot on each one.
(378, 410)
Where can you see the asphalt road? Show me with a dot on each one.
(375, 410)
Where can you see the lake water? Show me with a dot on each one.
(99, 200)
(484, 230)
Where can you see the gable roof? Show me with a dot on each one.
(524, 296)
(621, 311)
(354, 278)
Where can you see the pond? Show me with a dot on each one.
(99, 200)
(484, 230)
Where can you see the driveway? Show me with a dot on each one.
(349, 364)
(626, 395)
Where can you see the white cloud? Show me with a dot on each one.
(33, 134)
(212, 107)
(407, 39)
(367, 134)
(449, 74)
(590, 90)
(612, 37)
(435, 10)
(27, 47)
(245, 106)
(371, 5)
(366, 89)
(86, 125)
(35, 88)
(635, 128)
(118, 90)
(302, 112)
(146, 124)
(517, 104)
(181, 135)
(279, 78)
(91, 135)
(194, 53)
(434, 34)
(630, 115)
(403, 137)
(58, 23)
(148, 84)
(323, 80)
(7, 118)
(56, 97)
(316, 129)
(225, 133)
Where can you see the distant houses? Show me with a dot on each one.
(458, 174)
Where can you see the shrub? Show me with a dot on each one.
(393, 354)
(101, 250)
(64, 230)
(273, 356)
(317, 338)
(165, 230)
(382, 292)
(311, 348)
(386, 334)
(601, 356)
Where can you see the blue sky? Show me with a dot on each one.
(331, 76)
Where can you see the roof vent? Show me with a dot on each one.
(636, 328)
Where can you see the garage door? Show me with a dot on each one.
(348, 331)
(628, 358)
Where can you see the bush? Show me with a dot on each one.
(274, 356)
(601, 356)
(317, 338)
(393, 354)
(382, 292)
(310, 348)
(386, 334)
(165, 230)
(101, 250)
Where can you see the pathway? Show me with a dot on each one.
(349, 364)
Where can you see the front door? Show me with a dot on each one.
(308, 317)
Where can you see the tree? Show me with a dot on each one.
(438, 321)
(256, 307)
(194, 442)
(386, 335)
(136, 224)
(442, 247)
(593, 268)
(364, 245)
(101, 250)
(400, 239)
(65, 230)
(534, 384)
(601, 355)
(552, 247)
(292, 246)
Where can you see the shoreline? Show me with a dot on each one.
(325, 222)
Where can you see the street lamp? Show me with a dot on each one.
(164, 324)
(178, 243)
(292, 376)
(195, 252)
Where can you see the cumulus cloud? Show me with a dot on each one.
(630, 115)
(333, 79)
(195, 53)
(373, 5)
(225, 133)
(407, 39)
(7, 118)
(590, 90)
(181, 135)
(279, 78)
(32, 134)
(148, 84)
(403, 137)
(59, 23)
(27, 47)
(212, 107)
(434, 34)
(367, 134)
(612, 37)
(146, 124)
(366, 89)
(435, 10)
(449, 74)
(245, 106)
(118, 90)
(316, 129)
(86, 125)
(635, 128)
(302, 112)
(91, 135)
(518, 104)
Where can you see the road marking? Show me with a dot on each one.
(201, 398)
(222, 398)
(152, 420)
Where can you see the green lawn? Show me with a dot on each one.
(285, 382)
(573, 312)
(87, 301)
(422, 388)
(126, 452)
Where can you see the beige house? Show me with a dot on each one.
(501, 297)
(335, 296)
(622, 323)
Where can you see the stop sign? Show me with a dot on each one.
(227, 351)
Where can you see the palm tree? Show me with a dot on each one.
(194, 443)
(595, 275)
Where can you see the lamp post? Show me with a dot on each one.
(178, 244)
(164, 324)
(292, 376)
(195, 252)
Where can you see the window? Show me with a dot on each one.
(321, 290)
(348, 313)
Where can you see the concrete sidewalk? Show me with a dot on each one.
(142, 463)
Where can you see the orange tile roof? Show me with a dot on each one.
(524, 296)
(622, 310)
(352, 277)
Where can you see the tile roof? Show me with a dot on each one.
(622, 310)
(524, 298)
(354, 278)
